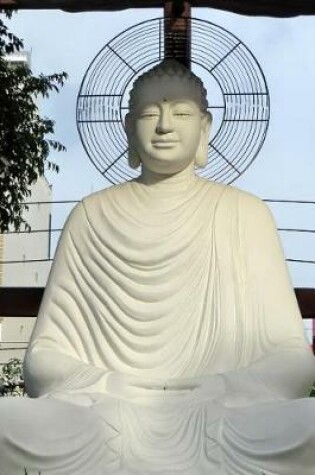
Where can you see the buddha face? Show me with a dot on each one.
(166, 127)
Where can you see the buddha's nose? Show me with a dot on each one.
(164, 124)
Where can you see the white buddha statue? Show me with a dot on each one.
(169, 340)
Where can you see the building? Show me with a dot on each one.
(24, 256)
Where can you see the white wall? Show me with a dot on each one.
(29, 246)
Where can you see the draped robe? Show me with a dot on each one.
(172, 283)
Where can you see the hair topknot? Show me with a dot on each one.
(171, 67)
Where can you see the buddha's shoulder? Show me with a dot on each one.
(114, 192)
(88, 208)
(231, 194)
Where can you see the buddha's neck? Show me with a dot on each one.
(171, 182)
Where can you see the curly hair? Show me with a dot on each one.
(171, 68)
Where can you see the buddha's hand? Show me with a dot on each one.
(201, 388)
(124, 386)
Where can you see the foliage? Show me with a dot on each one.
(24, 145)
(11, 379)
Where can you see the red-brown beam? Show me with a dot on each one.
(25, 301)
(177, 31)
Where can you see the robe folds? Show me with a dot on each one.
(169, 284)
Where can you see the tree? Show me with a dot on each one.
(25, 136)
(11, 379)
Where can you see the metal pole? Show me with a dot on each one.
(49, 236)
(177, 31)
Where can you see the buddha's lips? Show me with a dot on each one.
(164, 143)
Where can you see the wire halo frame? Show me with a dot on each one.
(242, 110)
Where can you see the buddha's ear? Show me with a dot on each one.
(133, 157)
(202, 152)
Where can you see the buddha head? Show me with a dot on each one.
(168, 124)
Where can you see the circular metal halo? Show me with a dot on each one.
(241, 109)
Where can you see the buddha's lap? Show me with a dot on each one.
(269, 424)
(261, 433)
(44, 434)
(22, 415)
(47, 421)
(278, 437)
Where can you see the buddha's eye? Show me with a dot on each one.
(181, 113)
(149, 114)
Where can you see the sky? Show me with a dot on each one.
(285, 166)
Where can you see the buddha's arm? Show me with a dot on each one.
(288, 374)
(279, 376)
(277, 361)
(58, 375)
(286, 366)
(58, 355)
(50, 372)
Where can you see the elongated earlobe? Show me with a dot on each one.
(201, 159)
(133, 157)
